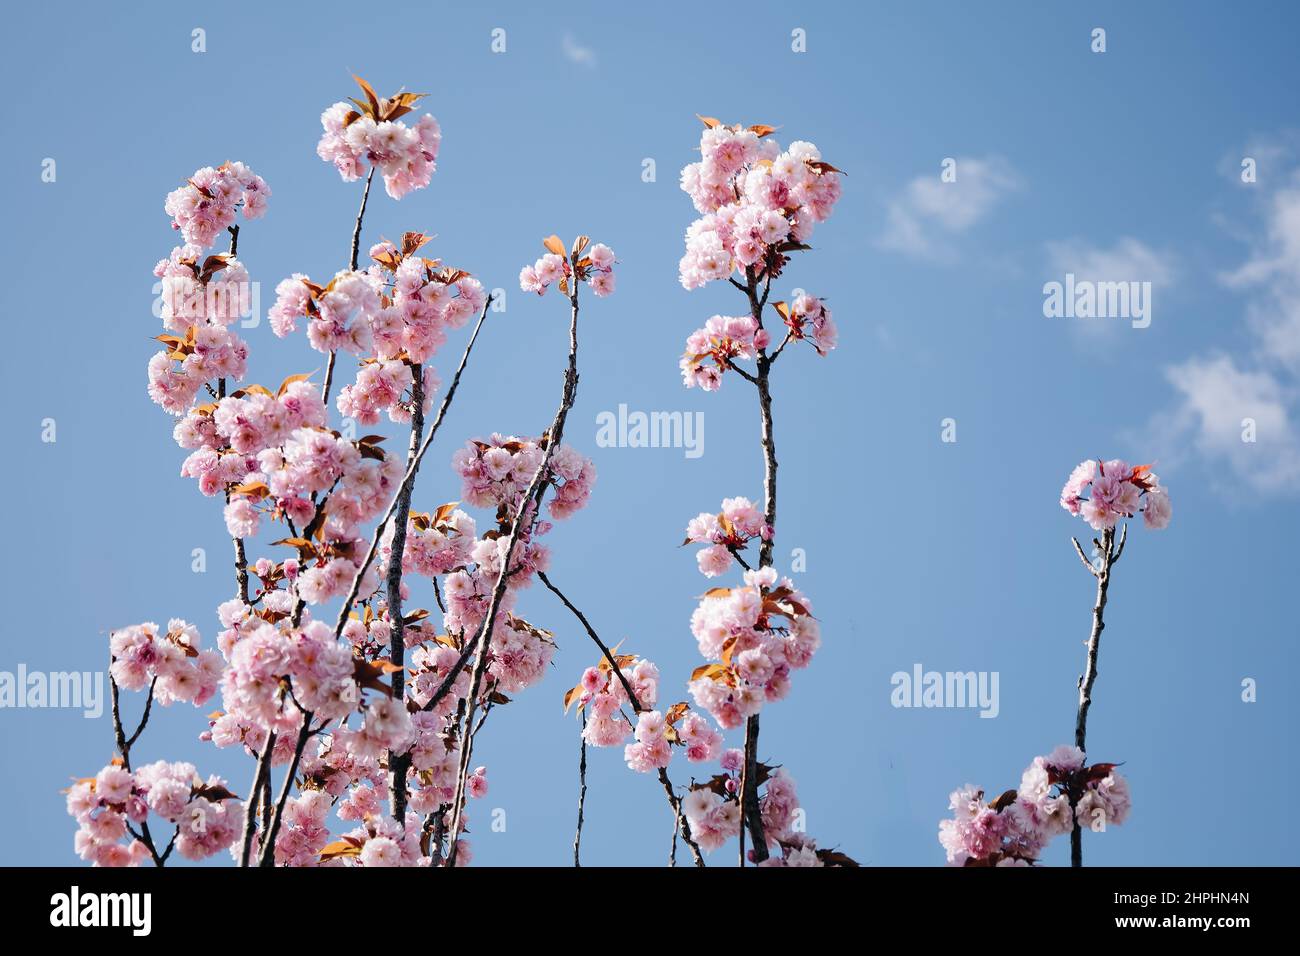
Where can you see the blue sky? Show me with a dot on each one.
(1123, 164)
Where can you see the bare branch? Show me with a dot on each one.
(781, 348)
(582, 794)
(673, 799)
(1090, 674)
(747, 376)
(356, 230)
(352, 265)
(1119, 549)
(1078, 548)
(261, 777)
(531, 497)
(305, 733)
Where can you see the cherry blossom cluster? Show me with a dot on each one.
(710, 350)
(518, 652)
(496, 472)
(350, 763)
(273, 671)
(756, 202)
(206, 205)
(365, 133)
(207, 816)
(810, 321)
(1057, 792)
(396, 313)
(339, 315)
(353, 479)
(285, 677)
(755, 635)
(1115, 491)
(226, 436)
(199, 301)
(601, 695)
(593, 265)
(201, 297)
(729, 531)
(436, 543)
(713, 811)
(656, 732)
(199, 291)
(349, 779)
(346, 771)
(171, 662)
(420, 298)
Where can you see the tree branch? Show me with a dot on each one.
(673, 799)
(305, 733)
(352, 265)
(1078, 548)
(749, 809)
(399, 764)
(261, 777)
(582, 793)
(356, 230)
(124, 749)
(536, 490)
(1089, 676)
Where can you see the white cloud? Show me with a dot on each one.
(575, 52)
(1216, 393)
(1129, 260)
(930, 212)
(1273, 272)
(1215, 400)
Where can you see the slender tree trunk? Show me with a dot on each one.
(1089, 677)
(399, 764)
(750, 815)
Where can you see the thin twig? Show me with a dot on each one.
(1119, 549)
(747, 376)
(781, 348)
(144, 718)
(536, 489)
(1086, 563)
(356, 230)
(672, 847)
(735, 553)
(676, 803)
(582, 792)
(673, 800)
(124, 749)
(241, 558)
(352, 265)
